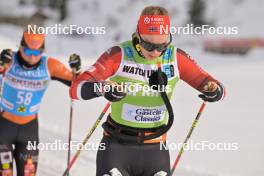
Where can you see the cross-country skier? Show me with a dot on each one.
(26, 75)
(136, 115)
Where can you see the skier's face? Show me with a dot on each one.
(156, 40)
(30, 56)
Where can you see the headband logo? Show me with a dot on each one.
(147, 20)
(153, 24)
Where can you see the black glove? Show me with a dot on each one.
(153, 80)
(113, 94)
(75, 62)
(213, 96)
(5, 56)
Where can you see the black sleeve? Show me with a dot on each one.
(88, 90)
(66, 82)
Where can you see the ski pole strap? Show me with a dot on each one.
(124, 133)
(167, 103)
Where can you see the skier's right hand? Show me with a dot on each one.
(154, 80)
(113, 92)
(5, 56)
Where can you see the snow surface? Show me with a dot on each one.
(237, 119)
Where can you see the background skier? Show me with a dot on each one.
(26, 74)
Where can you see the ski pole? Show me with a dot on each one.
(97, 122)
(70, 124)
(188, 137)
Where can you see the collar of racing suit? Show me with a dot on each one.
(135, 42)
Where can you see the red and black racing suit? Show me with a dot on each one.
(132, 158)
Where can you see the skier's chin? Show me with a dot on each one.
(32, 60)
(151, 57)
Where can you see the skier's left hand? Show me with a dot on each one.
(75, 63)
(115, 93)
(212, 92)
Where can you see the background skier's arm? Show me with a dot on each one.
(195, 76)
(103, 68)
(59, 72)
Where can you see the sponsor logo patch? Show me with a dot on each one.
(129, 52)
(140, 114)
(22, 108)
(27, 84)
(168, 70)
(167, 55)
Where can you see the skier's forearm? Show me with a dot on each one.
(82, 87)
(191, 73)
(87, 90)
(59, 72)
(64, 81)
(202, 80)
(101, 70)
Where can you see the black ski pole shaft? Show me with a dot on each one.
(187, 138)
(97, 122)
(70, 124)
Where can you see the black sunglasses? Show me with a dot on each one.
(151, 46)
